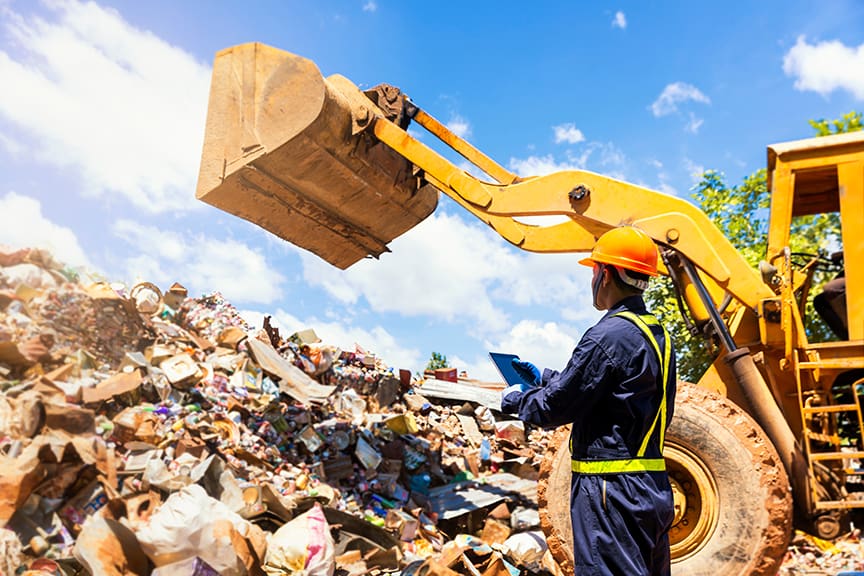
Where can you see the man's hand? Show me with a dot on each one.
(521, 388)
(527, 371)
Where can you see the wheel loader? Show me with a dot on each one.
(767, 439)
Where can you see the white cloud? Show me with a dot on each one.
(568, 133)
(12, 147)
(456, 272)
(546, 345)
(240, 273)
(479, 368)
(317, 272)
(541, 165)
(118, 104)
(675, 94)
(620, 20)
(459, 126)
(441, 268)
(545, 279)
(605, 157)
(370, 6)
(24, 226)
(474, 171)
(376, 340)
(694, 124)
(826, 66)
(584, 314)
(667, 188)
(694, 170)
(662, 178)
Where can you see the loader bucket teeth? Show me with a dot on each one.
(287, 150)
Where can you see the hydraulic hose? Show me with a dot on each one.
(763, 407)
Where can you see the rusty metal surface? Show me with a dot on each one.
(286, 150)
(454, 500)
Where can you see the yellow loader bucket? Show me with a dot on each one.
(285, 149)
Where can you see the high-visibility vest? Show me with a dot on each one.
(639, 463)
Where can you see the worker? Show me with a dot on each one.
(831, 302)
(618, 392)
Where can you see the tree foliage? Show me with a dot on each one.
(850, 122)
(741, 213)
(437, 360)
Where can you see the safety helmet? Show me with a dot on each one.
(625, 247)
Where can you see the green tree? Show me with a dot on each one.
(437, 360)
(850, 122)
(741, 213)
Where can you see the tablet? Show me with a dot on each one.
(504, 363)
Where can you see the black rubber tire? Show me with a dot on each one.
(753, 523)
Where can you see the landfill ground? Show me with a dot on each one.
(144, 430)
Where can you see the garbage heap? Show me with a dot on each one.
(147, 432)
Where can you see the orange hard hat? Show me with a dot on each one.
(625, 247)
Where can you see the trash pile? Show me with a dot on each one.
(148, 432)
(810, 555)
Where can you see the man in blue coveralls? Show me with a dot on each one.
(618, 392)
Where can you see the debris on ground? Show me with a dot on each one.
(813, 556)
(150, 432)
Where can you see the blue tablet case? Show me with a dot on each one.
(504, 363)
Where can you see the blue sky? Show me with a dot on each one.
(102, 110)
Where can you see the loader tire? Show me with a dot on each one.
(733, 502)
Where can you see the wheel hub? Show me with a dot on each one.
(679, 498)
(696, 502)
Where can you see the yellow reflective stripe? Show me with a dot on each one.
(667, 356)
(642, 323)
(618, 466)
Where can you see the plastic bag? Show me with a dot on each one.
(192, 524)
(526, 547)
(350, 402)
(28, 274)
(302, 547)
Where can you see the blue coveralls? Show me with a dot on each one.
(612, 391)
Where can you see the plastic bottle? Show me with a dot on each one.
(485, 450)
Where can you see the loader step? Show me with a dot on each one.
(821, 437)
(832, 408)
(835, 504)
(819, 456)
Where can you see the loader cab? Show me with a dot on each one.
(820, 178)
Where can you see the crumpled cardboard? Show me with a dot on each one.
(18, 480)
(117, 385)
(293, 381)
(69, 418)
(49, 453)
(21, 417)
(108, 548)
